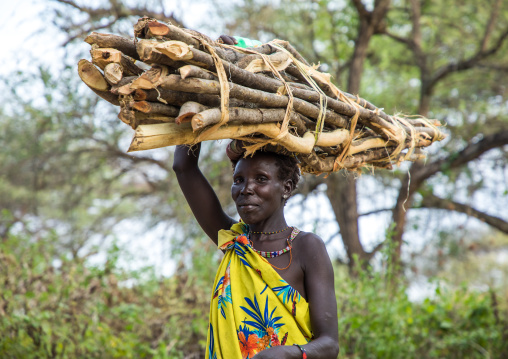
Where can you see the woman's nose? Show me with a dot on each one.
(247, 187)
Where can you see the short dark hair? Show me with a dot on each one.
(288, 166)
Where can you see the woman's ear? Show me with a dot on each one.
(288, 188)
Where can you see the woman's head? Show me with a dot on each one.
(261, 185)
(287, 165)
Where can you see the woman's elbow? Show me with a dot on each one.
(335, 348)
(182, 166)
(332, 346)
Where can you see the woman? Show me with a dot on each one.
(273, 295)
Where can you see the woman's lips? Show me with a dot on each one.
(248, 206)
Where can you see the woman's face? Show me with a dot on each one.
(257, 189)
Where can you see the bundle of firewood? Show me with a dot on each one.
(176, 86)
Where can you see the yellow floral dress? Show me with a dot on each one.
(252, 307)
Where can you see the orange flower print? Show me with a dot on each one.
(225, 283)
(249, 346)
(243, 240)
(226, 245)
(264, 342)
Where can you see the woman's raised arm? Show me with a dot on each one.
(199, 193)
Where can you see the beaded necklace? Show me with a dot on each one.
(266, 233)
(274, 254)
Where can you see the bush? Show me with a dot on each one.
(55, 306)
(52, 306)
(377, 320)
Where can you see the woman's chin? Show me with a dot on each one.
(249, 218)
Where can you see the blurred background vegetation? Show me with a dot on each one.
(101, 258)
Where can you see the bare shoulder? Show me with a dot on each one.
(311, 249)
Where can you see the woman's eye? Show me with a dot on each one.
(262, 179)
(237, 180)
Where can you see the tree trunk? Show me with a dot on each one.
(341, 190)
(410, 183)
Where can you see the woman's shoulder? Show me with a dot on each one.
(309, 245)
(312, 255)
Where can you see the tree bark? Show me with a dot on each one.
(418, 172)
(247, 116)
(127, 46)
(341, 189)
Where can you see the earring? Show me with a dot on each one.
(285, 196)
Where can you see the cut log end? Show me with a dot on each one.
(186, 117)
(142, 106)
(91, 76)
(158, 29)
(113, 73)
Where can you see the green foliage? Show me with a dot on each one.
(378, 320)
(56, 306)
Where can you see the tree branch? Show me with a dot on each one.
(362, 11)
(376, 211)
(469, 153)
(115, 12)
(432, 201)
(135, 159)
(490, 26)
(469, 63)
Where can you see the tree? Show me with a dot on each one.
(436, 54)
(408, 56)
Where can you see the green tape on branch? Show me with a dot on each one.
(244, 42)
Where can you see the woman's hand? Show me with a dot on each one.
(186, 157)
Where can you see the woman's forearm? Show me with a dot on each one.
(319, 348)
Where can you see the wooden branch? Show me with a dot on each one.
(292, 51)
(369, 143)
(176, 98)
(255, 63)
(113, 73)
(150, 78)
(314, 164)
(252, 81)
(94, 79)
(245, 116)
(91, 76)
(195, 71)
(188, 110)
(150, 55)
(155, 108)
(125, 45)
(151, 119)
(432, 201)
(147, 28)
(175, 82)
(103, 56)
(156, 136)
